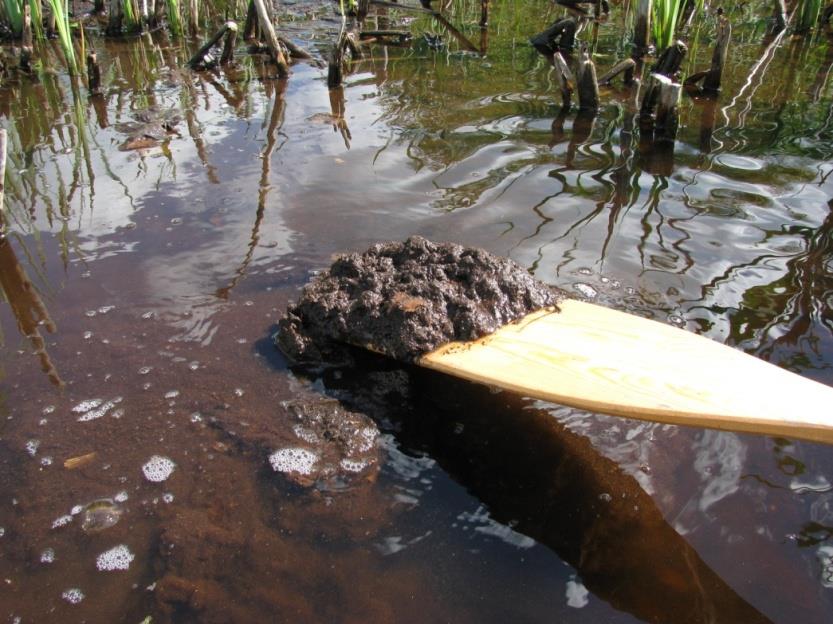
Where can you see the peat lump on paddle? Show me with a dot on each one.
(405, 299)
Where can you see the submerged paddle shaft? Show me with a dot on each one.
(602, 360)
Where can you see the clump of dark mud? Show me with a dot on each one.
(406, 299)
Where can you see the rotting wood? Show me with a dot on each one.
(564, 78)
(229, 43)
(714, 76)
(560, 36)
(643, 27)
(271, 37)
(250, 30)
(671, 59)
(93, 74)
(115, 18)
(586, 83)
(202, 58)
(26, 40)
(622, 67)
(667, 116)
(485, 5)
(399, 37)
(574, 7)
(352, 44)
(335, 65)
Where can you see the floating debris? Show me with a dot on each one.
(100, 515)
(117, 558)
(77, 462)
(158, 468)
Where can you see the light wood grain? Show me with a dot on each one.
(602, 360)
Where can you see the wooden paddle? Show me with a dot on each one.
(602, 360)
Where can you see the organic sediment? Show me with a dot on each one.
(406, 299)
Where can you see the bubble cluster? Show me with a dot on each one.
(293, 459)
(99, 410)
(73, 595)
(158, 468)
(121, 497)
(352, 465)
(172, 394)
(117, 558)
(47, 556)
(32, 447)
(62, 521)
(86, 406)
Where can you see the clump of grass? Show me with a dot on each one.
(664, 21)
(13, 11)
(807, 15)
(59, 9)
(174, 17)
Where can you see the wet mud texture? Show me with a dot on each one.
(406, 299)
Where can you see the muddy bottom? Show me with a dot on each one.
(406, 299)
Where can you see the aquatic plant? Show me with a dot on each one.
(174, 17)
(13, 12)
(131, 20)
(59, 10)
(807, 15)
(664, 21)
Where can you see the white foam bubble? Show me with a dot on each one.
(353, 465)
(99, 411)
(577, 594)
(586, 289)
(32, 447)
(62, 521)
(47, 556)
(86, 406)
(167, 497)
(158, 468)
(117, 558)
(172, 394)
(48, 410)
(73, 595)
(145, 370)
(293, 459)
(2, 531)
(121, 497)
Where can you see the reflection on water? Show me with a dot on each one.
(164, 268)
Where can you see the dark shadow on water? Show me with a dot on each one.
(549, 484)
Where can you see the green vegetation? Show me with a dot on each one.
(174, 17)
(59, 9)
(664, 21)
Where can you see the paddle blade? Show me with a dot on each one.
(602, 360)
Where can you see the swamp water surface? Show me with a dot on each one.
(165, 269)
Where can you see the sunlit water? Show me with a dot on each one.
(162, 273)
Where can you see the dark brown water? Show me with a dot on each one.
(165, 270)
